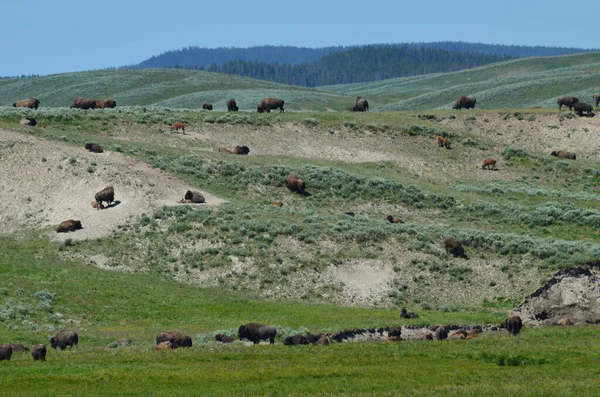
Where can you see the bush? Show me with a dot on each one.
(311, 122)
(510, 152)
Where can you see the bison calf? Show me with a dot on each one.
(176, 338)
(63, 339)
(178, 126)
(97, 205)
(257, 332)
(163, 346)
(564, 155)
(442, 142)
(38, 352)
(490, 164)
(393, 219)
(455, 248)
(69, 226)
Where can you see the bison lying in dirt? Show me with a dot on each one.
(568, 101)
(393, 219)
(38, 352)
(270, 103)
(94, 147)
(256, 331)
(563, 154)
(581, 107)
(207, 106)
(455, 248)
(513, 325)
(63, 339)
(178, 126)
(464, 102)
(30, 103)
(83, 103)
(107, 194)
(232, 106)
(224, 338)
(68, 226)
(490, 164)
(177, 339)
(194, 197)
(28, 121)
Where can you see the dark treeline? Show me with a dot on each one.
(23, 76)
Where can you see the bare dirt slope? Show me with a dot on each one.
(44, 183)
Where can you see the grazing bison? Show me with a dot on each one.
(513, 325)
(464, 102)
(490, 164)
(277, 203)
(568, 101)
(297, 339)
(30, 103)
(581, 107)
(441, 333)
(361, 105)
(38, 352)
(270, 103)
(107, 194)
(455, 248)
(17, 347)
(163, 346)
(5, 352)
(94, 147)
(563, 154)
(97, 205)
(256, 331)
(207, 106)
(63, 339)
(232, 106)
(406, 314)
(177, 339)
(393, 219)
(194, 197)
(295, 184)
(224, 338)
(28, 121)
(178, 126)
(68, 226)
(83, 103)
(241, 150)
(110, 103)
(442, 142)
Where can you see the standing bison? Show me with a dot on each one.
(84, 103)
(30, 103)
(5, 352)
(581, 107)
(295, 184)
(455, 248)
(270, 103)
(256, 331)
(568, 101)
(107, 194)
(207, 106)
(464, 102)
(69, 226)
(232, 106)
(563, 154)
(361, 105)
(110, 103)
(514, 325)
(63, 339)
(178, 126)
(39, 352)
(490, 164)
(176, 338)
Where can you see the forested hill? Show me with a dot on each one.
(514, 51)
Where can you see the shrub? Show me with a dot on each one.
(510, 152)
(311, 122)
(531, 118)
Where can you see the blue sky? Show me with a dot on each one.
(41, 36)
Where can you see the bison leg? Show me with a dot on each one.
(272, 340)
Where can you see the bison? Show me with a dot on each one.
(270, 103)
(256, 331)
(464, 102)
(38, 352)
(455, 248)
(99, 103)
(323, 340)
(107, 194)
(393, 219)
(596, 97)
(18, 347)
(458, 334)
(563, 154)
(207, 106)
(568, 101)
(30, 103)
(295, 184)
(83, 103)
(225, 150)
(28, 121)
(178, 126)
(69, 226)
(361, 105)
(97, 205)
(232, 106)
(490, 164)
(110, 103)
(5, 352)
(243, 150)
(163, 346)
(406, 314)
(63, 339)
(277, 203)
(442, 142)
(194, 197)
(177, 339)
(94, 147)
(224, 338)
(581, 107)
(441, 333)
(394, 334)
(297, 339)
(513, 325)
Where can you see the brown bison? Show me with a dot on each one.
(297, 339)
(225, 150)
(490, 164)
(63, 339)
(295, 184)
(94, 147)
(18, 347)
(243, 150)
(455, 248)
(406, 314)
(5, 352)
(581, 107)
(442, 142)
(194, 197)
(99, 103)
(464, 102)
(38, 352)
(322, 341)
(472, 333)
(568, 101)
(163, 346)
(68, 226)
(563, 154)
(83, 103)
(177, 339)
(107, 194)
(28, 121)
(277, 203)
(256, 331)
(110, 103)
(97, 205)
(207, 106)
(178, 126)
(395, 333)
(30, 103)
(458, 334)
(232, 106)
(224, 338)
(393, 219)
(513, 325)
(361, 105)
(441, 333)
(270, 103)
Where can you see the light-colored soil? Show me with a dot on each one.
(42, 193)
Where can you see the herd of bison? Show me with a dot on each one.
(256, 331)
